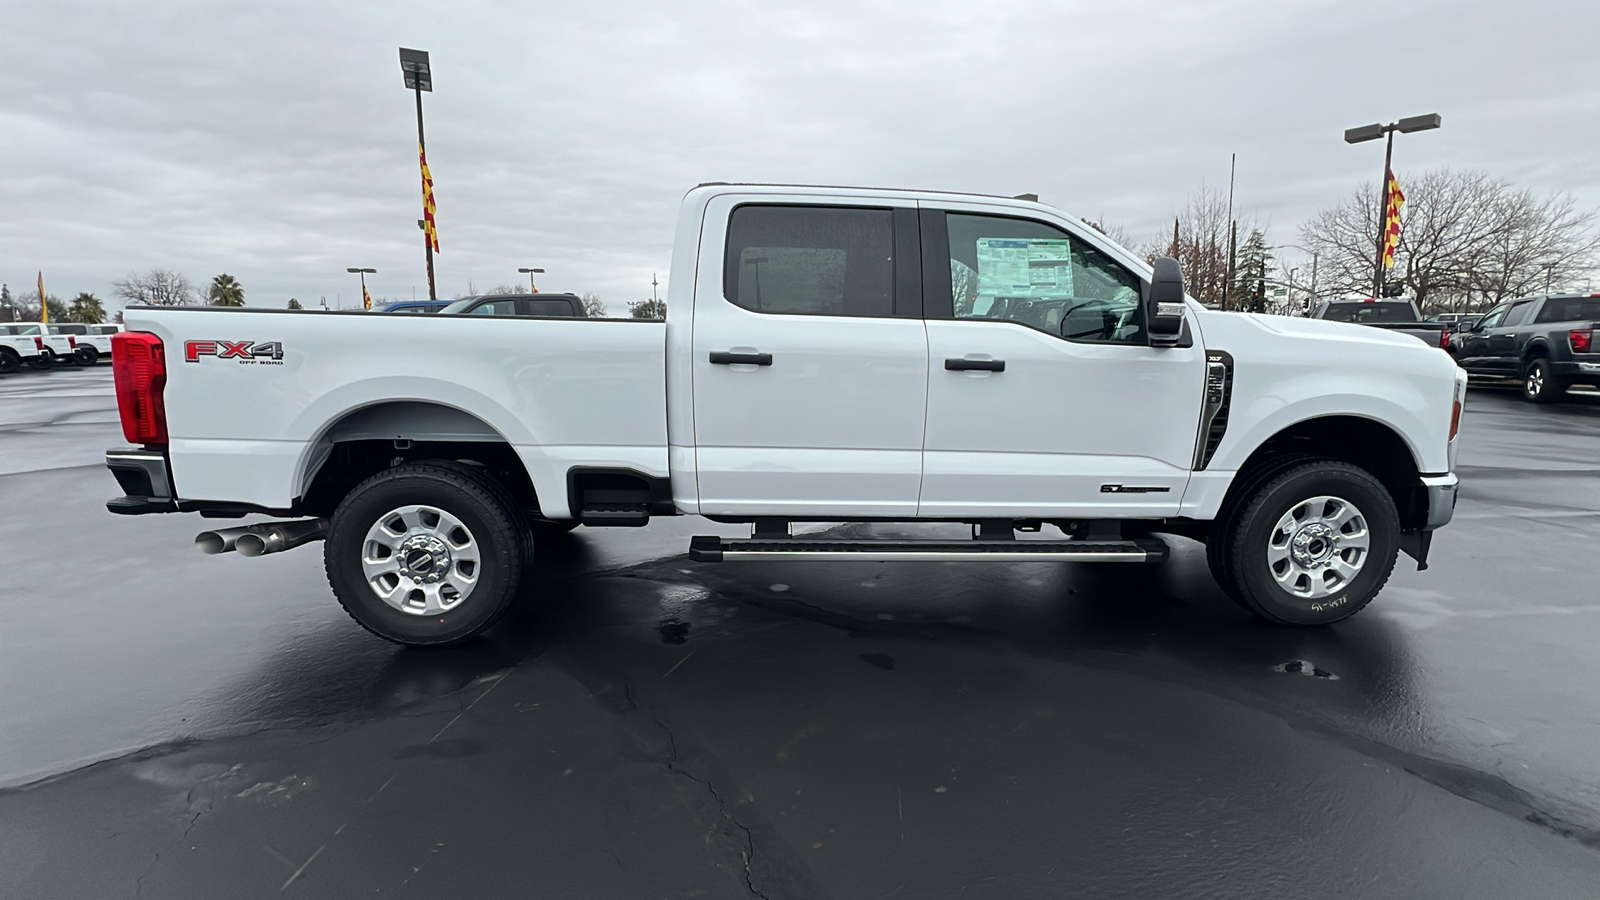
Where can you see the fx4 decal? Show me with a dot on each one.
(267, 352)
(1131, 489)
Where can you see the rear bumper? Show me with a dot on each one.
(1441, 491)
(145, 480)
(1579, 369)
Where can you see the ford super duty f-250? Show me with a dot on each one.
(830, 355)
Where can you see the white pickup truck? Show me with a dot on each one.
(31, 343)
(830, 354)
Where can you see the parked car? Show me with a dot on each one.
(22, 343)
(415, 306)
(49, 347)
(1548, 342)
(89, 343)
(525, 305)
(1394, 315)
(845, 355)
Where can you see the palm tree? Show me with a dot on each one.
(86, 308)
(225, 291)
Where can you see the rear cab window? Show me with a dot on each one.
(811, 260)
(1370, 312)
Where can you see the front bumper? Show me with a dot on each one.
(145, 481)
(1441, 491)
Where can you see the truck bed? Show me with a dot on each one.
(250, 393)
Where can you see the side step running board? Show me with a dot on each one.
(710, 548)
(634, 515)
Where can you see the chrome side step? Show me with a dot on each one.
(710, 548)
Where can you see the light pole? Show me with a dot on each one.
(530, 273)
(366, 302)
(419, 78)
(1313, 289)
(1372, 133)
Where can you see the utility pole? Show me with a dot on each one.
(652, 287)
(1233, 234)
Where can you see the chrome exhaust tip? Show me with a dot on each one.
(276, 537)
(221, 540)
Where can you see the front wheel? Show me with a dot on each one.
(1539, 385)
(1313, 545)
(427, 554)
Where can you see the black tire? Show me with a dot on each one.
(551, 527)
(1256, 522)
(1539, 385)
(1217, 557)
(86, 356)
(9, 361)
(468, 494)
(43, 361)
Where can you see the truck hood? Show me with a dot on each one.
(1337, 331)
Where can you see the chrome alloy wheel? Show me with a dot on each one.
(420, 560)
(1533, 384)
(1318, 547)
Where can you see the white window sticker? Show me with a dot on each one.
(1036, 268)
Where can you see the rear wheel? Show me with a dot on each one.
(1539, 385)
(43, 361)
(1313, 544)
(9, 361)
(86, 356)
(427, 554)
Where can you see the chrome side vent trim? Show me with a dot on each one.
(1214, 414)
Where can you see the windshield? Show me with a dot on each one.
(1370, 312)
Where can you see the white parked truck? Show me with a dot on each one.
(830, 354)
(32, 343)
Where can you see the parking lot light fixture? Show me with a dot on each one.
(530, 273)
(356, 270)
(1364, 133)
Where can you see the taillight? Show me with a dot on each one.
(139, 371)
(1581, 339)
(1455, 419)
(1444, 339)
(39, 343)
(72, 342)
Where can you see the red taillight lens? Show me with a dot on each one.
(139, 371)
(72, 342)
(38, 342)
(1444, 339)
(1581, 339)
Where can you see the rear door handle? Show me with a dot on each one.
(975, 365)
(729, 358)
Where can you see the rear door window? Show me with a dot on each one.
(811, 260)
(1570, 309)
(1518, 314)
(552, 307)
(504, 307)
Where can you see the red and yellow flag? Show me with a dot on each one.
(366, 298)
(1391, 220)
(428, 225)
(44, 305)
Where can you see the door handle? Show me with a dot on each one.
(729, 358)
(975, 365)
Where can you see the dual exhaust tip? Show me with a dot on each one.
(259, 540)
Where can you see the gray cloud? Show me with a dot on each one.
(275, 141)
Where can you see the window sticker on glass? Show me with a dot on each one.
(1025, 267)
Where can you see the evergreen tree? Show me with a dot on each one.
(1250, 278)
(225, 291)
(295, 304)
(86, 308)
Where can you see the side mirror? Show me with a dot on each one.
(1164, 306)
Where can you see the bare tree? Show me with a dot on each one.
(509, 289)
(157, 287)
(1200, 244)
(1467, 240)
(593, 307)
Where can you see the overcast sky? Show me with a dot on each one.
(275, 140)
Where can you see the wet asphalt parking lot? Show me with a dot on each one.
(176, 725)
